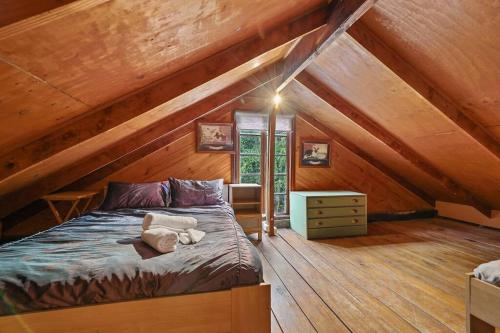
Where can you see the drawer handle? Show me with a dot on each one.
(355, 200)
(320, 223)
(320, 201)
(320, 212)
(354, 210)
(355, 221)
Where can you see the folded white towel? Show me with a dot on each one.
(195, 235)
(184, 238)
(161, 239)
(171, 221)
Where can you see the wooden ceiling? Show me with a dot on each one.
(415, 85)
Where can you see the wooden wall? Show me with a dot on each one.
(349, 172)
(180, 159)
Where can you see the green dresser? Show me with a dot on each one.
(325, 214)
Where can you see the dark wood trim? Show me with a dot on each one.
(402, 216)
(342, 15)
(343, 106)
(427, 89)
(107, 116)
(368, 158)
(71, 173)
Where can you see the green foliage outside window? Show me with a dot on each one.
(250, 165)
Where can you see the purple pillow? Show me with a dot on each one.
(166, 193)
(130, 195)
(196, 192)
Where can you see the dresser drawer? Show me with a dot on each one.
(333, 212)
(336, 222)
(357, 230)
(335, 201)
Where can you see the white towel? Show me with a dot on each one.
(184, 238)
(161, 239)
(171, 221)
(195, 235)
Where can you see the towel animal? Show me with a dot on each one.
(161, 239)
(182, 225)
(171, 221)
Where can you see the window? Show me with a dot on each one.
(281, 173)
(252, 157)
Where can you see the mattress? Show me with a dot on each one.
(99, 258)
(489, 272)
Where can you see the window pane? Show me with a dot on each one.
(280, 184)
(249, 164)
(280, 204)
(280, 147)
(250, 179)
(280, 164)
(250, 144)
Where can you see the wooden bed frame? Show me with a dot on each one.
(241, 309)
(482, 303)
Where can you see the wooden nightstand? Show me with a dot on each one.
(75, 197)
(246, 200)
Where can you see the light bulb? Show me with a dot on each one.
(277, 99)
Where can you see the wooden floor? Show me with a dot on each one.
(403, 277)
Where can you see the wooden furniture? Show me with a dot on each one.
(326, 214)
(242, 309)
(75, 197)
(246, 200)
(482, 303)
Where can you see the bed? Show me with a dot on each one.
(94, 274)
(483, 298)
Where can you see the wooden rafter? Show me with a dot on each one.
(428, 90)
(343, 14)
(108, 116)
(368, 158)
(71, 173)
(382, 134)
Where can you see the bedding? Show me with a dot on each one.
(196, 192)
(134, 195)
(489, 272)
(99, 257)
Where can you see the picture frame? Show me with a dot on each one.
(215, 137)
(315, 153)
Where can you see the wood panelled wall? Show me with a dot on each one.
(349, 172)
(180, 159)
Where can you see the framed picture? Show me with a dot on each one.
(215, 137)
(315, 153)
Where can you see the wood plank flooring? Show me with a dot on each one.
(403, 277)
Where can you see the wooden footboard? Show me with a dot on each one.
(482, 306)
(242, 309)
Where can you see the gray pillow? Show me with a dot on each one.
(130, 195)
(186, 193)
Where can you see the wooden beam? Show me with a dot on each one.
(71, 173)
(94, 122)
(428, 90)
(382, 134)
(368, 158)
(343, 14)
(18, 16)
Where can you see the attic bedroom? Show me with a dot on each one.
(249, 166)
